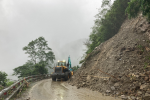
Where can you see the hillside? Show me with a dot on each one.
(125, 57)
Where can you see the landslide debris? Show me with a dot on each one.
(126, 56)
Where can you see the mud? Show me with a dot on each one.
(60, 90)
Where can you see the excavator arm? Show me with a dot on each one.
(69, 64)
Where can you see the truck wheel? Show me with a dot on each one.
(67, 76)
(70, 75)
(54, 78)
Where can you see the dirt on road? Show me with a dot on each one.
(60, 90)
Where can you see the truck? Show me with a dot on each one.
(62, 70)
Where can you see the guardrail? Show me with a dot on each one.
(9, 92)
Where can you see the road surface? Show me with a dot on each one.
(60, 90)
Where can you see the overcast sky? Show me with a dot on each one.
(61, 22)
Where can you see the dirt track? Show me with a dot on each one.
(49, 90)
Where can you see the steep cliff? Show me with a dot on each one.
(125, 59)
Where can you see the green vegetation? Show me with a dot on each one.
(9, 83)
(24, 70)
(41, 57)
(75, 68)
(3, 78)
(145, 65)
(135, 6)
(4, 81)
(81, 61)
(1, 87)
(107, 24)
(39, 52)
(110, 18)
(133, 9)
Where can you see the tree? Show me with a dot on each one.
(39, 52)
(25, 70)
(75, 68)
(135, 6)
(108, 22)
(40, 69)
(29, 69)
(87, 43)
(3, 78)
(41, 57)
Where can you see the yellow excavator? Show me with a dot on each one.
(62, 70)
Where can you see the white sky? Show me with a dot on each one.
(63, 23)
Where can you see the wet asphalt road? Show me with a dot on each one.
(60, 90)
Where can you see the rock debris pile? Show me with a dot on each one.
(126, 60)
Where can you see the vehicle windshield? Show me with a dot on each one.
(61, 63)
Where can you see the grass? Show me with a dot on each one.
(145, 65)
(9, 83)
(1, 88)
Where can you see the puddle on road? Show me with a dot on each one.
(58, 90)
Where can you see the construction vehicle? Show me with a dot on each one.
(62, 70)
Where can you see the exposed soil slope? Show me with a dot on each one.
(126, 56)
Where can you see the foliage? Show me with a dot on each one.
(75, 68)
(41, 57)
(134, 6)
(24, 70)
(39, 52)
(29, 69)
(1, 87)
(9, 83)
(3, 78)
(107, 24)
(145, 65)
(87, 43)
(40, 69)
(81, 61)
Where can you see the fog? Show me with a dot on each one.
(65, 24)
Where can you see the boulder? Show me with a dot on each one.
(124, 97)
(139, 93)
(143, 86)
(116, 85)
(113, 88)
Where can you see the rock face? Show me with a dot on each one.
(124, 59)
